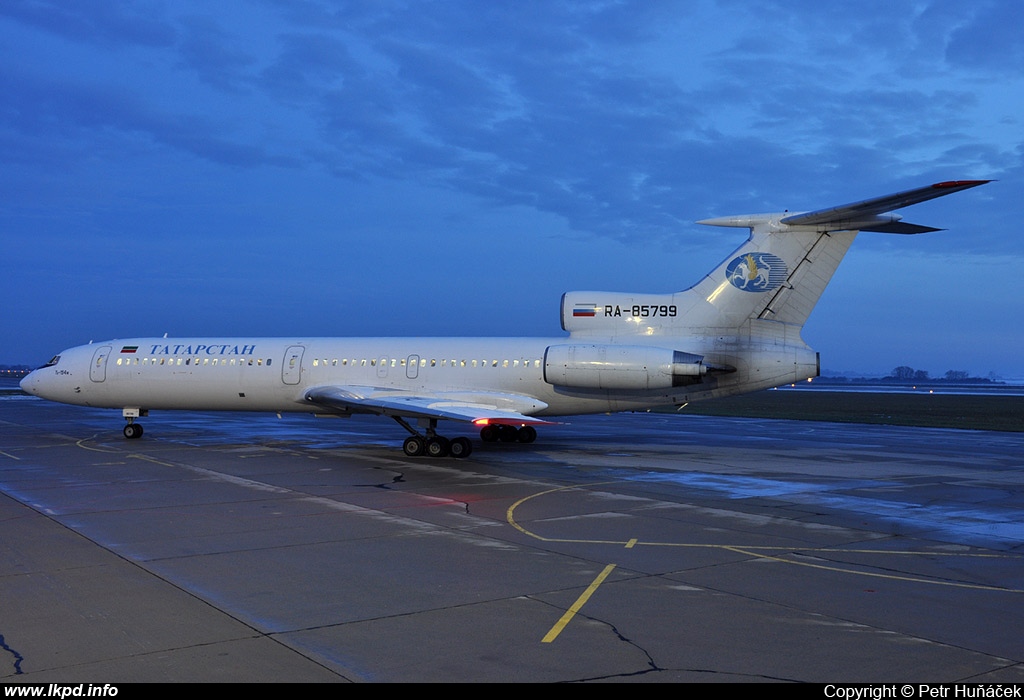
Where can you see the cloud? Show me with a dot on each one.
(109, 24)
(76, 117)
(209, 50)
(991, 41)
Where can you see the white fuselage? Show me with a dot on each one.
(274, 374)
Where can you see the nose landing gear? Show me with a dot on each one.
(133, 430)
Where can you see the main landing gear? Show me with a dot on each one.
(432, 444)
(508, 433)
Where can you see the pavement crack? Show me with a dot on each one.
(18, 658)
(627, 640)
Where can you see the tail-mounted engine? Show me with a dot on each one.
(635, 367)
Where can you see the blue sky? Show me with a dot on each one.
(310, 168)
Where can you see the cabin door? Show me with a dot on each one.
(98, 368)
(291, 369)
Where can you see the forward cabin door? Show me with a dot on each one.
(98, 368)
(291, 369)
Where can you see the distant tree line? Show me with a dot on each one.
(908, 375)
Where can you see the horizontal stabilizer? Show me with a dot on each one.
(866, 209)
(899, 227)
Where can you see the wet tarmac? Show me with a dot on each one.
(642, 548)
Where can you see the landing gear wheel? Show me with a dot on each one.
(489, 433)
(133, 431)
(460, 447)
(508, 433)
(437, 446)
(414, 446)
(527, 434)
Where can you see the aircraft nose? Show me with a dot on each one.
(30, 383)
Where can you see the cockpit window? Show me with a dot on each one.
(54, 360)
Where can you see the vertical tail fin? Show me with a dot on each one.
(777, 275)
(781, 271)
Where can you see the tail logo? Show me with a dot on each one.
(756, 272)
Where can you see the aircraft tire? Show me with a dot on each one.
(489, 433)
(414, 446)
(132, 431)
(508, 433)
(527, 434)
(437, 447)
(460, 447)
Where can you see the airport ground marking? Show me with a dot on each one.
(153, 460)
(763, 551)
(510, 513)
(891, 577)
(81, 444)
(577, 606)
(8, 454)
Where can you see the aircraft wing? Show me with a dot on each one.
(865, 214)
(472, 407)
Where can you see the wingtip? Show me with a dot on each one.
(961, 184)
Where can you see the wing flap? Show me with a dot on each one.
(470, 407)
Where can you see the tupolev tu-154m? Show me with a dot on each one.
(735, 331)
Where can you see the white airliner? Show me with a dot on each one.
(735, 331)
